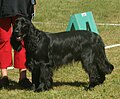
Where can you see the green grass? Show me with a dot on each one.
(69, 81)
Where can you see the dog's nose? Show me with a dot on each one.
(16, 31)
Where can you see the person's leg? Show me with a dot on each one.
(5, 49)
(22, 73)
(4, 72)
(19, 62)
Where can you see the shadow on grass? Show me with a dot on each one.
(13, 85)
(76, 84)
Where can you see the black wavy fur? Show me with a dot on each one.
(47, 51)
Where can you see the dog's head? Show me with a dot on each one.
(20, 28)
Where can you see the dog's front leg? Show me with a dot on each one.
(35, 78)
(42, 77)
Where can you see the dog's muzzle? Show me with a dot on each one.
(20, 37)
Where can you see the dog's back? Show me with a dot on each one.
(67, 46)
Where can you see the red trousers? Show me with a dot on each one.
(6, 55)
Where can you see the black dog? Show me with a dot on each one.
(47, 51)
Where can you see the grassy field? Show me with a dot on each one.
(69, 81)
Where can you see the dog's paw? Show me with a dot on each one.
(33, 87)
(89, 88)
(42, 87)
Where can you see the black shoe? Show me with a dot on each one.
(4, 82)
(25, 83)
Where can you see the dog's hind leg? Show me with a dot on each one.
(88, 62)
(94, 77)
